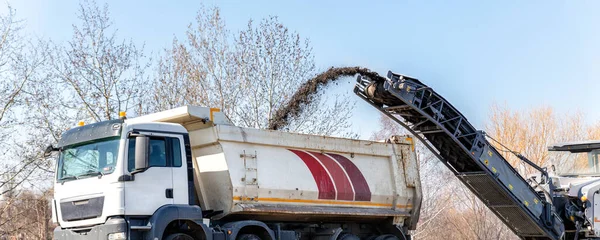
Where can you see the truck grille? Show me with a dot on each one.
(82, 209)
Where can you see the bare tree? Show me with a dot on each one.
(329, 115)
(531, 132)
(15, 68)
(26, 216)
(9, 48)
(102, 74)
(387, 128)
(273, 63)
(248, 75)
(200, 70)
(20, 62)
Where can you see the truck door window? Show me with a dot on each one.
(162, 152)
(176, 151)
(157, 156)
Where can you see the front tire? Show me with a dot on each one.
(179, 236)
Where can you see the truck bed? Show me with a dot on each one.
(272, 174)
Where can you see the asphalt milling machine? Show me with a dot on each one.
(544, 206)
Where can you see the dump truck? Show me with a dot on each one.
(189, 173)
(557, 202)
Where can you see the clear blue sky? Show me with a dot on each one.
(475, 53)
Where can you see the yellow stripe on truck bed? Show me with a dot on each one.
(326, 202)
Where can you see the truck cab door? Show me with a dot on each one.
(180, 170)
(147, 191)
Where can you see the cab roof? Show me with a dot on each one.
(91, 132)
(576, 147)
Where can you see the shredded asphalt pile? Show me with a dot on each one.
(307, 92)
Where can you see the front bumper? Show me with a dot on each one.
(98, 232)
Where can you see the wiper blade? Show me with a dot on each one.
(68, 178)
(88, 165)
(92, 173)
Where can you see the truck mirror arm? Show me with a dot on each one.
(49, 150)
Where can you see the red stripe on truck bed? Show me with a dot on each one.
(322, 178)
(342, 183)
(361, 188)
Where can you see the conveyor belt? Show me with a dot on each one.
(465, 151)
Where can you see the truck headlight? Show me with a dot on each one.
(117, 236)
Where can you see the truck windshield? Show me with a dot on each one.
(87, 160)
(585, 163)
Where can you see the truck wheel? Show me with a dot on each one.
(179, 236)
(248, 237)
(348, 236)
(386, 237)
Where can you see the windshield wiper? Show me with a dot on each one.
(92, 173)
(68, 178)
(89, 165)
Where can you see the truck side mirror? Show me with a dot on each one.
(141, 153)
(49, 150)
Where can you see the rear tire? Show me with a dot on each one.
(179, 236)
(248, 237)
